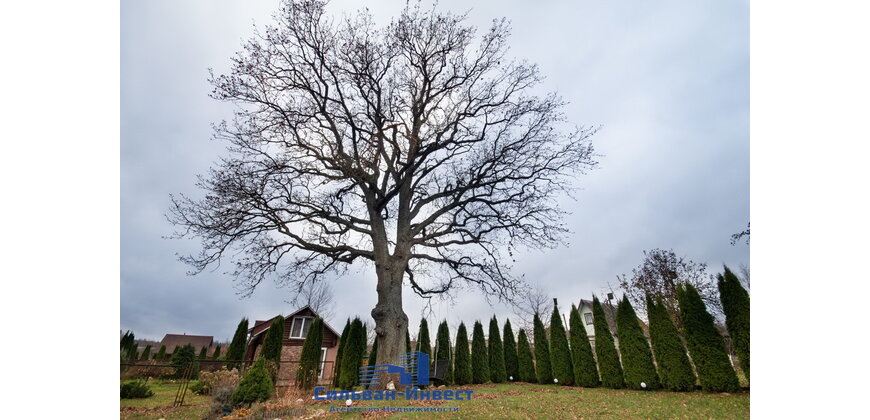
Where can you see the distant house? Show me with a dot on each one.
(586, 317)
(173, 341)
(296, 327)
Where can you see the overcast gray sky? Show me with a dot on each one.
(668, 82)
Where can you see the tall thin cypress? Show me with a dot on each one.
(705, 343)
(511, 365)
(585, 370)
(217, 353)
(373, 355)
(443, 352)
(495, 351)
(203, 353)
(351, 358)
(342, 344)
(161, 353)
(462, 366)
(524, 358)
(543, 368)
(479, 358)
(274, 340)
(608, 359)
(637, 362)
(735, 304)
(423, 343)
(236, 350)
(309, 361)
(560, 353)
(146, 354)
(670, 353)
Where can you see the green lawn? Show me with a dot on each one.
(160, 405)
(505, 401)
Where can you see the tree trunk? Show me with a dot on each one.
(390, 320)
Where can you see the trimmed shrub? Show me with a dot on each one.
(543, 369)
(351, 358)
(608, 359)
(161, 353)
(236, 350)
(336, 370)
(309, 360)
(479, 358)
(443, 352)
(423, 343)
(217, 353)
(274, 340)
(462, 373)
(735, 304)
(705, 343)
(637, 361)
(135, 389)
(511, 365)
(146, 354)
(673, 362)
(582, 359)
(495, 351)
(525, 365)
(560, 354)
(256, 386)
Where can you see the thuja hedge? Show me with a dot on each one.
(670, 353)
(462, 373)
(560, 354)
(706, 345)
(543, 369)
(608, 359)
(637, 362)
(735, 303)
(496, 354)
(511, 364)
(585, 369)
(479, 358)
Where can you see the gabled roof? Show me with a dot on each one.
(297, 312)
(171, 341)
(609, 312)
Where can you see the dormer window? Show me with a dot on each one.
(588, 317)
(300, 326)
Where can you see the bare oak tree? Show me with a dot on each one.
(318, 295)
(417, 146)
(660, 273)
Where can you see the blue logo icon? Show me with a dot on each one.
(414, 370)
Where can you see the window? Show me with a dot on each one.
(300, 326)
(588, 317)
(322, 362)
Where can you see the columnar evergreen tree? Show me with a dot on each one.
(203, 353)
(735, 304)
(236, 350)
(543, 368)
(495, 351)
(351, 358)
(342, 344)
(309, 361)
(479, 357)
(608, 359)
(443, 351)
(705, 343)
(525, 365)
(182, 357)
(462, 373)
(407, 340)
(423, 343)
(637, 361)
(560, 353)
(161, 353)
(511, 365)
(128, 347)
(274, 340)
(146, 354)
(373, 355)
(673, 362)
(217, 353)
(583, 361)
